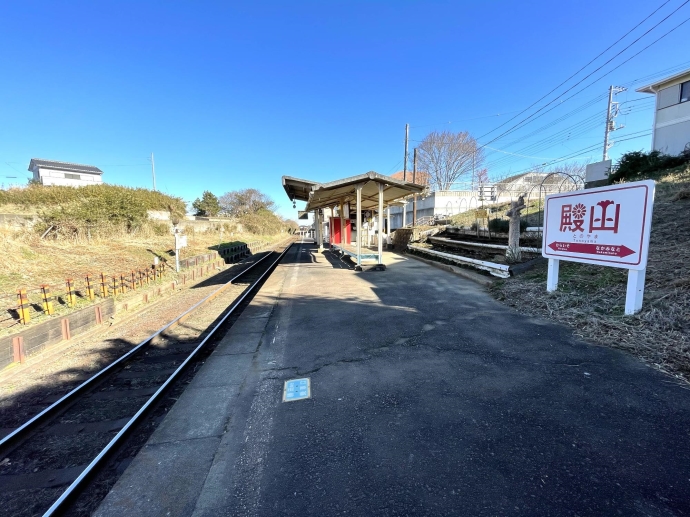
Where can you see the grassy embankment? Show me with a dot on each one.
(591, 299)
(95, 229)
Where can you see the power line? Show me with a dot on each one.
(582, 68)
(513, 128)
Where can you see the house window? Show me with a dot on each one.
(685, 91)
(72, 176)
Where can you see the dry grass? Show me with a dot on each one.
(27, 261)
(591, 299)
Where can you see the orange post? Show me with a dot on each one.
(123, 284)
(89, 288)
(23, 310)
(69, 292)
(116, 286)
(47, 300)
(134, 280)
(104, 286)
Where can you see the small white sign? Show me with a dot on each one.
(180, 241)
(608, 225)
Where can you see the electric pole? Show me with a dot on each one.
(407, 137)
(414, 180)
(612, 111)
(153, 172)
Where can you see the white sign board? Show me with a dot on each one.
(180, 241)
(607, 225)
(597, 171)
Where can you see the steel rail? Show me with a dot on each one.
(94, 379)
(115, 442)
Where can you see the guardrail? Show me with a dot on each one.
(467, 244)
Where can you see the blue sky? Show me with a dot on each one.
(231, 95)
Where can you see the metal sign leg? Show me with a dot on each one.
(552, 275)
(635, 291)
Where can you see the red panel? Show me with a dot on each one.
(335, 230)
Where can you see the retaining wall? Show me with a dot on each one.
(37, 337)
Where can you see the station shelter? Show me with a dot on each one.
(370, 192)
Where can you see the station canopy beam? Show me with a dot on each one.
(370, 191)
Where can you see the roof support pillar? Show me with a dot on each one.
(358, 188)
(342, 226)
(380, 221)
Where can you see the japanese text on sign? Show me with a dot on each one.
(607, 225)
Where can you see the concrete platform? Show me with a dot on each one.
(428, 398)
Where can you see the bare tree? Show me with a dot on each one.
(242, 202)
(481, 176)
(447, 157)
(574, 169)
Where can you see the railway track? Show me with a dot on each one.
(66, 457)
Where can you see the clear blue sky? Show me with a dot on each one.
(230, 95)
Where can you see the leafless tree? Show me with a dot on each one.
(481, 176)
(575, 169)
(447, 157)
(242, 202)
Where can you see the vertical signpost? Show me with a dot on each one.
(607, 226)
(180, 242)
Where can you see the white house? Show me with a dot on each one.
(62, 173)
(671, 133)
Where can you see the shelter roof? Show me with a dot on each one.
(297, 189)
(330, 194)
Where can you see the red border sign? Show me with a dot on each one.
(608, 225)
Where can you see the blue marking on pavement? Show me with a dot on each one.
(296, 389)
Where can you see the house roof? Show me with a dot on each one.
(654, 87)
(64, 166)
(421, 177)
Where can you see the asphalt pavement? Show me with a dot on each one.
(428, 397)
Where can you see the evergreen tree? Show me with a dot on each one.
(206, 206)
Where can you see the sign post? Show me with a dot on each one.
(180, 242)
(608, 226)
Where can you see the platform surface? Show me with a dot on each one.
(427, 398)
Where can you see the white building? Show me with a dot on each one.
(62, 173)
(671, 132)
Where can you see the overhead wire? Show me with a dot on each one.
(589, 63)
(532, 116)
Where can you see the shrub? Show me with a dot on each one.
(98, 208)
(503, 225)
(638, 165)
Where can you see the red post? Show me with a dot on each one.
(65, 329)
(18, 349)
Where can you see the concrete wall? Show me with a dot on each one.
(440, 203)
(55, 177)
(672, 139)
(672, 123)
(17, 221)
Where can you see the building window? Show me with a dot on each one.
(685, 91)
(72, 176)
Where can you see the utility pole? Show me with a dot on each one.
(153, 172)
(414, 180)
(407, 138)
(612, 111)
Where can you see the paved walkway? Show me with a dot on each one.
(428, 398)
